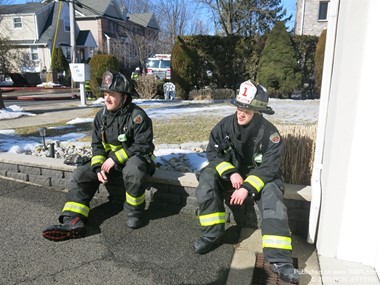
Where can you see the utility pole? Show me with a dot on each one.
(72, 36)
(72, 31)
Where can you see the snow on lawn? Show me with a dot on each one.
(286, 112)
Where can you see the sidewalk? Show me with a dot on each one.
(49, 111)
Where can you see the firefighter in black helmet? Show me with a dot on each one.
(122, 159)
(244, 157)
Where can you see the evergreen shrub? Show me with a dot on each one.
(98, 65)
(184, 65)
(60, 67)
(278, 68)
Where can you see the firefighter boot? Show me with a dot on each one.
(286, 272)
(135, 220)
(205, 244)
(72, 227)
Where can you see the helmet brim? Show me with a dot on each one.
(267, 110)
(116, 91)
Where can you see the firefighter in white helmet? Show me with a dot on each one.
(244, 161)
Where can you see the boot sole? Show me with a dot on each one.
(60, 234)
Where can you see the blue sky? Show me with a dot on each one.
(289, 5)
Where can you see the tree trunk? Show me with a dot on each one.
(2, 106)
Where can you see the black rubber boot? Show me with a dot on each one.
(204, 245)
(72, 227)
(286, 272)
(136, 220)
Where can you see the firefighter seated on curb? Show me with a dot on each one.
(244, 156)
(122, 151)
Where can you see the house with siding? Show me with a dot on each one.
(311, 17)
(34, 30)
(118, 34)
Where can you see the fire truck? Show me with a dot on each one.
(159, 65)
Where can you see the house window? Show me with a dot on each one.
(323, 7)
(67, 52)
(34, 53)
(17, 23)
(67, 25)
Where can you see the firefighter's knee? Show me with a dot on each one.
(135, 167)
(272, 202)
(207, 177)
(206, 187)
(83, 174)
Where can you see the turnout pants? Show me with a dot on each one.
(276, 240)
(84, 183)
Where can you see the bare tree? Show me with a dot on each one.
(246, 17)
(133, 6)
(178, 17)
(138, 43)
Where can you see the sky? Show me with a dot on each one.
(286, 112)
(289, 5)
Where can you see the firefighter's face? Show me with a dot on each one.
(244, 116)
(113, 100)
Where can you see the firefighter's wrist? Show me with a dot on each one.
(251, 190)
(96, 169)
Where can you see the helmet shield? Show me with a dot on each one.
(115, 82)
(253, 96)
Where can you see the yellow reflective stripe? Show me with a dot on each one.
(135, 201)
(121, 155)
(97, 159)
(212, 219)
(255, 181)
(107, 146)
(76, 208)
(116, 147)
(112, 147)
(280, 242)
(223, 167)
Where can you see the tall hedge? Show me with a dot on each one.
(305, 46)
(184, 65)
(99, 63)
(319, 58)
(213, 62)
(278, 68)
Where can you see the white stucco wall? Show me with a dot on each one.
(348, 225)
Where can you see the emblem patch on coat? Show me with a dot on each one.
(275, 138)
(138, 119)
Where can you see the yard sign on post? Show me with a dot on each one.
(80, 72)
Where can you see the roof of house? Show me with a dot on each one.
(103, 8)
(49, 28)
(144, 19)
(85, 38)
(28, 8)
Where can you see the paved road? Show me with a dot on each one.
(159, 253)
